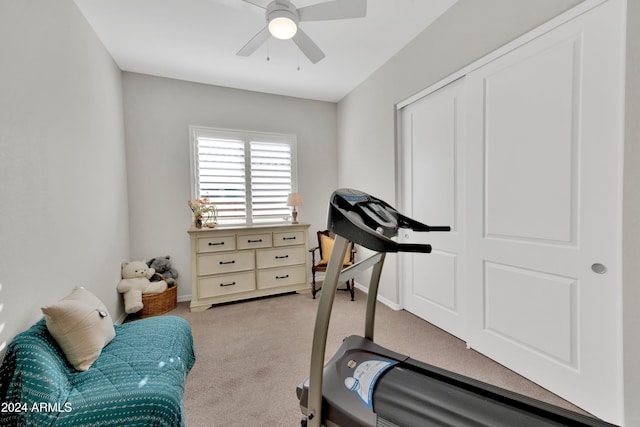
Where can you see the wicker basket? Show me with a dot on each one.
(157, 304)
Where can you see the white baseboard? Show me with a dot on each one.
(120, 320)
(183, 298)
(392, 305)
(123, 316)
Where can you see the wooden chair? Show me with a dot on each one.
(325, 245)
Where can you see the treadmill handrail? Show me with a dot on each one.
(371, 222)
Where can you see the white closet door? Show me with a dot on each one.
(544, 146)
(432, 181)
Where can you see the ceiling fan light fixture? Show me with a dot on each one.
(283, 24)
(283, 17)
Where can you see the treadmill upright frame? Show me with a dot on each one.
(335, 275)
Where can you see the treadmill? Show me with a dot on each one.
(367, 385)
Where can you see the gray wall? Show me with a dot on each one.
(469, 30)
(63, 195)
(631, 221)
(158, 112)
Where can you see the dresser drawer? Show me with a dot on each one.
(226, 284)
(274, 277)
(216, 243)
(250, 241)
(266, 258)
(225, 262)
(288, 238)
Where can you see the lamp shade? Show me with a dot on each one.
(294, 199)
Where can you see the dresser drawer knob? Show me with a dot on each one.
(282, 277)
(227, 262)
(282, 257)
(216, 243)
(228, 284)
(254, 241)
(289, 238)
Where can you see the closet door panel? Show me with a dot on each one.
(432, 182)
(531, 136)
(544, 151)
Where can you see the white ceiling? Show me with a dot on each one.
(197, 40)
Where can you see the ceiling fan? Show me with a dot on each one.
(283, 19)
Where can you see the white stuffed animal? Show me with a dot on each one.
(135, 282)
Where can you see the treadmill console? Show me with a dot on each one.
(371, 222)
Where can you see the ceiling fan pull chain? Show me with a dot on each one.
(268, 56)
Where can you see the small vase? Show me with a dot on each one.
(197, 221)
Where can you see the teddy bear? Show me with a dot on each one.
(135, 282)
(162, 265)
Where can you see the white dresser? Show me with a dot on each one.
(235, 263)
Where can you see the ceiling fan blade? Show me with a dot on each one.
(336, 9)
(255, 3)
(254, 43)
(308, 47)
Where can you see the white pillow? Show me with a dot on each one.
(81, 325)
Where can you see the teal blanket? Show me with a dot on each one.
(138, 380)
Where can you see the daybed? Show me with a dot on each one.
(138, 379)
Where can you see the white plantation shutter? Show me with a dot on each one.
(271, 180)
(246, 175)
(221, 166)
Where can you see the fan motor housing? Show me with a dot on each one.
(277, 10)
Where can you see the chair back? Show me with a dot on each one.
(332, 236)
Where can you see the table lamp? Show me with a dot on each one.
(294, 200)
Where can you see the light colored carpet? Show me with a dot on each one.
(250, 356)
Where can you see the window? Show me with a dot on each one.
(247, 175)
